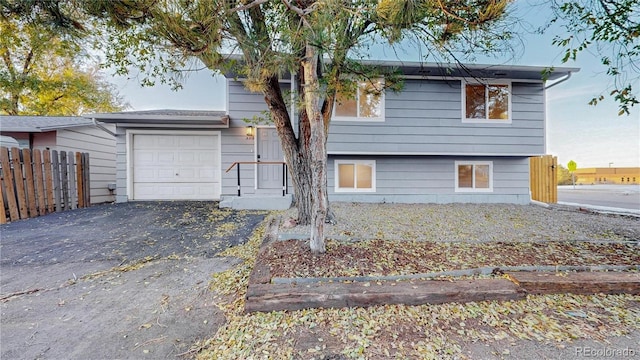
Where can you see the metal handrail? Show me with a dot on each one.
(285, 181)
(255, 162)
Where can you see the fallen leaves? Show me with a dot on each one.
(427, 331)
(293, 259)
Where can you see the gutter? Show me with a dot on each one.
(559, 81)
(101, 127)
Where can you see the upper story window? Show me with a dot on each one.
(367, 104)
(486, 102)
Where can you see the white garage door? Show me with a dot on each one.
(176, 167)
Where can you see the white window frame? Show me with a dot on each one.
(381, 118)
(336, 173)
(486, 120)
(473, 174)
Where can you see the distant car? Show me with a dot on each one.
(8, 142)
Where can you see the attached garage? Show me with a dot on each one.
(174, 166)
(168, 154)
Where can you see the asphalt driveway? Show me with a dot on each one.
(115, 281)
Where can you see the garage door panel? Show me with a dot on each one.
(144, 156)
(144, 142)
(187, 157)
(175, 167)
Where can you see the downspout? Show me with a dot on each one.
(534, 202)
(559, 81)
(101, 127)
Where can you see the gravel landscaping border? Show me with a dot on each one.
(468, 223)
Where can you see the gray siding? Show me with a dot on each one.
(431, 179)
(235, 145)
(102, 158)
(121, 165)
(425, 117)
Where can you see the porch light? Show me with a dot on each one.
(250, 132)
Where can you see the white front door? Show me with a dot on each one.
(175, 167)
(269, 149)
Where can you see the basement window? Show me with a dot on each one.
(355, 176)
(474, 176)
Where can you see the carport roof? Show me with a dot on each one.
(37, 124)
(166, 117)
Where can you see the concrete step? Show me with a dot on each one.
(257, 202)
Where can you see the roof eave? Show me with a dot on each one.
(222, 121)
(62, 127)
(457, 70)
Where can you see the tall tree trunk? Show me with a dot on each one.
(296, 151)
(317, 144)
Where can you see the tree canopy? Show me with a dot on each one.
(44, 73)
(611, 30)
(318, 42)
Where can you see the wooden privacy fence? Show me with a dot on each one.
(543, 171)
(35, 183)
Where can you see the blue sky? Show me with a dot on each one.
(592, 136)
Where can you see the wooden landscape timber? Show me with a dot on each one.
(269, 297)
(577, 283)
(265, 296)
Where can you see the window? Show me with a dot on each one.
(355, 175)
(366, 105)
(486, 102)
(474, 176)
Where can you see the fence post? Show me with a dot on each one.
(31, 189)
(87, 178)
(56, 180)
(19, 181)
(555, 180)
(544, 177)
(80, 179)
(64, 178)
(8, 182)
(532, 178)
(72, 181)
(37, 165)
(48, 181)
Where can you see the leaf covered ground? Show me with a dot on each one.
(292, 258)
(408, 332)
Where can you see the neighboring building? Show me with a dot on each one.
(65, 133)
(612, 175)
(446, 137)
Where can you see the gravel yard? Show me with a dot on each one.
(469, 223)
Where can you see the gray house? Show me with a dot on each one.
(452, 134)
(70, 133)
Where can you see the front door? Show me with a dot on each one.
(269, 149)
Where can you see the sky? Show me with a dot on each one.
(592, 136)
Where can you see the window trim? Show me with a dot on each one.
(380, 118)
(466, 82)
(336, 173)
(473, 189)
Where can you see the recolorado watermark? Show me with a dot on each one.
(605, 352)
